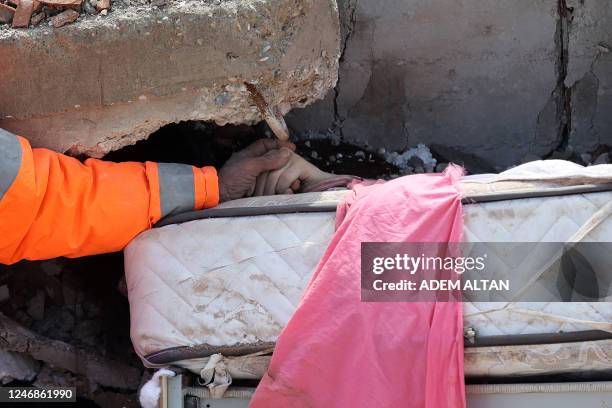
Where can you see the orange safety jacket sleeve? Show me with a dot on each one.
(53, 205)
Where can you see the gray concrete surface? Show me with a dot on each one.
(492, 82)
(590, 74)
(105, 82)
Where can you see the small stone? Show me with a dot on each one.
(603, 158)
(314, 155)
(104, 12)
(339, 156)
(381, 151)
(102, 5)
(360, 154)
(307, 143)
(63, 18)
(37, 19)
(36, 306)
(89, 8)
(440, 167)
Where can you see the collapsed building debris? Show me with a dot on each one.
(23, 13)
(96, 368)
(188, 61)
(63, 323)
(17, 366)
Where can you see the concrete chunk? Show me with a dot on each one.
(16, 366)
(63, 18)
(103, 83)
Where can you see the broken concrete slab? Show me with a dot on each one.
(589, 75)
(101, 370)
(110, 81)
(17, 366)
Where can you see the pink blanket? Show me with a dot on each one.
(337, 351)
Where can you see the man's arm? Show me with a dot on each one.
(53, 205)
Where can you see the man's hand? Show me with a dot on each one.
(298, 175)
(238, 176)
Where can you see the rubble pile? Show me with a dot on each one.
(26, 13)
(66, 323)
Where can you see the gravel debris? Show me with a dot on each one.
(402, 160)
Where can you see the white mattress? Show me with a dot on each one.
(235, 281)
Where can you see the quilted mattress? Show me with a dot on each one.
(227, 280)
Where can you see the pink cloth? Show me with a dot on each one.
(337, 351)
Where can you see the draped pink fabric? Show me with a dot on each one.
(337, 351)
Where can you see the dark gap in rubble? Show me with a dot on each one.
(80, 302)
(192, 142)
(206, 144)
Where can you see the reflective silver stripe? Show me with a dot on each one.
(176, 188)
(10, 160)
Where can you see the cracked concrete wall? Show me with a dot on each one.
(105, 82)
(485, 78)
(589, 74)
